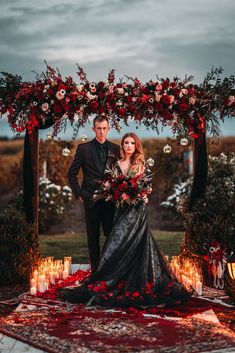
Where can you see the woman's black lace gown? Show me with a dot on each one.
(132, 271)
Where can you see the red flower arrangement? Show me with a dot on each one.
(217, 260)
(121, 189)
(189, 109)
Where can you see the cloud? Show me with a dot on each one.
(140, 38)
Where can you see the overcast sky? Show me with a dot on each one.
(137, 38)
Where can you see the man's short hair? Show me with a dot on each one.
(100, 119)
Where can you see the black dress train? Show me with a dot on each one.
(132, 271)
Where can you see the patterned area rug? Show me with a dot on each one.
(55, 326)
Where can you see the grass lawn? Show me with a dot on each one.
(75, 245)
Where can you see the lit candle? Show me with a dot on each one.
(35, 274)
(198, 287)
(52, 277)
(33, 282)
(66, 265)
(57, 276)
(65, 274)
(41, 287)
(33, 290)
(41, 283)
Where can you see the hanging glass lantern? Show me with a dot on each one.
(184, 141)
(50, 135)
(150, 162)
(66, 152)
(83, 137)
(231, 265)
(167, 149)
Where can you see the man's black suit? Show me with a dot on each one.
(99, 212)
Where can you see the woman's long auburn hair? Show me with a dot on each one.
(137, 159)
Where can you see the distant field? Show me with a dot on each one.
(75, 245)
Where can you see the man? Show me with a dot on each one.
(93, 157)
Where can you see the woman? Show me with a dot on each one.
(131, 271)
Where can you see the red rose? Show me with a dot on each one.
(73, 97)
(166, 114)
(123, 186)
(165, 84)
(131, 108)
(101, 94)
(145, 90)
(158, 106)
(129, 99)
(121, 111)
(183, 107)
(166, 99)
(101, 84)
(177, 91)
(101, 109)
(57, 109)
(144, 98)
(116, 194)
(133, 183)
(94, 105)
(135, 294)
(173, 84)
(109, 97)
(50, 91)
(66, 107)
(62, 86)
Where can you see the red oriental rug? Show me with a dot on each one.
(54, 326)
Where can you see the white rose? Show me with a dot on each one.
(158, 97)
(90, 96)
(120, 90)
(80, 87)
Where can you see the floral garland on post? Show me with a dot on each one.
(189, 109)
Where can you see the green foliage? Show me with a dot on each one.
(213, 215)
(19, 246)
(53, 200)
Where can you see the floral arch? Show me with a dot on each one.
(190, 110)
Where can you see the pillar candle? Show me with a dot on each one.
(33, 290)
(199, 287)
(65, 274)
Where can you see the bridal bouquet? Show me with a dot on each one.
(128, 188)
